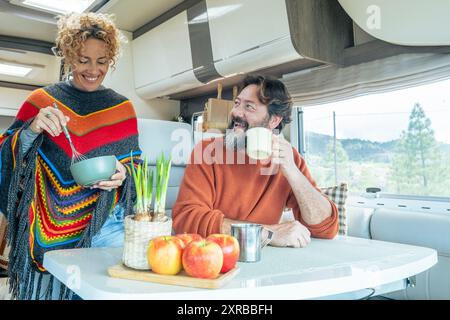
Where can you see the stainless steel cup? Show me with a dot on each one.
(249, 238)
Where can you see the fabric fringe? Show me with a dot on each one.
(49, 291)
(104, 208)
(68, 295)
(38, 287)
(21, 269)
(99, 216)
(23, 293)
(62, 292)
(31, 284)
(128, 195)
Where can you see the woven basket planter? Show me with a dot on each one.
(137, 236)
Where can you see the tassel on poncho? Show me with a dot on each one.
(45, 208)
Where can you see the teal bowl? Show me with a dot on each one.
(89, 172)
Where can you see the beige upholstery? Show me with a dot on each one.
(172, 138)
(420, 228)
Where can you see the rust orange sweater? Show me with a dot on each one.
(212, 190)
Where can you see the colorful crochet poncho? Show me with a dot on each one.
(45, 208)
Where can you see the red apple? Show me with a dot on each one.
(202, 259)
(230, 249)
(188, 237)
(164, 254)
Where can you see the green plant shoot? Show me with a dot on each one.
(162, 182)
(143, 181)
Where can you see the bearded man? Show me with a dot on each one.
(215, 193)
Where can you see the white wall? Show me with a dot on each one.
(10, 102)
(5, 122)
(122, 80)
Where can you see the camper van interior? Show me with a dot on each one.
(368, 81)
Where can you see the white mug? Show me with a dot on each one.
(259, 143)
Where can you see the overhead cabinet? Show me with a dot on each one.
(219, 39)
(162, 59)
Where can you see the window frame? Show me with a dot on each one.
(394, 200)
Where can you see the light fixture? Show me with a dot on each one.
(57, 6)
(20, 69)
(14, 69)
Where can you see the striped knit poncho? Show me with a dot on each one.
(45, 208)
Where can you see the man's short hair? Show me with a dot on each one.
(274, 94)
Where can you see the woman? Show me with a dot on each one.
(45, 208)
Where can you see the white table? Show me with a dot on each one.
(324, 269)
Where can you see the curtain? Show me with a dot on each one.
(327, 84)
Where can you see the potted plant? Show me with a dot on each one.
(146, 224)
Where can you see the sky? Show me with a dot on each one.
(382, 117)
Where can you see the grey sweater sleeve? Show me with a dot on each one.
(27, 137)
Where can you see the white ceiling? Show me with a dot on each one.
(132, 14)
(129, 15)
(11, 25)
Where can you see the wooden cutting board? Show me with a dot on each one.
(181, 279)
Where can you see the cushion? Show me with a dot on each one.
(338, 194)
(358, 221)
(172, 138)
(425, 229)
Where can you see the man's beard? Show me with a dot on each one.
(236, 141)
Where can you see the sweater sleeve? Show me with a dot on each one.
(193, 211)
(328, 228)
(27, 138)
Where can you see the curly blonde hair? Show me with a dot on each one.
(75, 28)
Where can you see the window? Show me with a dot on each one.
(397, 141)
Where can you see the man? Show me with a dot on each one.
(214, 194)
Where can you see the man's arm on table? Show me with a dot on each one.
(315, 214)
(311, 207)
